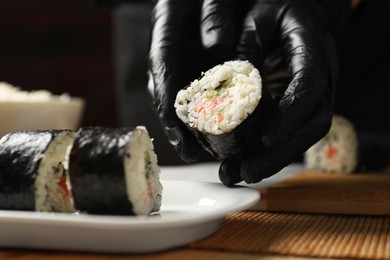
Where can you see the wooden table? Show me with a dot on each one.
(187, 254)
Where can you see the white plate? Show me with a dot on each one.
(190, 211)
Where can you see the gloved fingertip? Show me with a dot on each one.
(218, 27)
(218, 42)
(185, 144)
(229, 172)
(267, 141)
(189, 154)
(253, 171)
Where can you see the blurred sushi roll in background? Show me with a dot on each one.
(337, 152)
(114, 171)
(34, 171)
(224, 107)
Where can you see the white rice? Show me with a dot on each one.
(337, 152)
(49, 196)
(142, 173)
(11, 93)
(224, 97)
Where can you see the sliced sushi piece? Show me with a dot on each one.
(224, 107)
(34, 171)
(115, 171)
(337, 152)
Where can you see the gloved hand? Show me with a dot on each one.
(188, 37)
(290, 41)
(292, 44)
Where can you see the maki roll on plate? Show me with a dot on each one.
(33, 171)
(114, 171)
(224, 107)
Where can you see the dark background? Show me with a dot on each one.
(71, 46)
(61, 46)
(86, 49)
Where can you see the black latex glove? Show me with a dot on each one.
(188, 37)
(292, 43)
(289, 41)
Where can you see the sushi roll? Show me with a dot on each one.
(337, 152)
(224, 107)
(33, 171)
(114, 171)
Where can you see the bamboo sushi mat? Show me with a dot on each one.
(307, 235)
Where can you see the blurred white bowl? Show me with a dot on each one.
(40, 115)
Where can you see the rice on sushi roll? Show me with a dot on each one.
(224, 107)
(34, 171)
(337, 152)
(114, 171)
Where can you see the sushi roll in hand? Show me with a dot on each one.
(224, 108)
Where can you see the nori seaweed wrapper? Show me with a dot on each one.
(247, 134)
(97, 173)
(20, 156)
